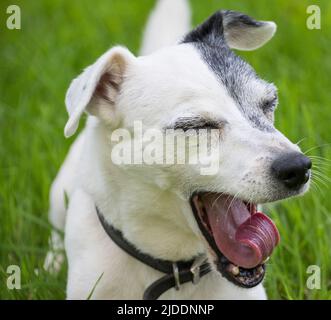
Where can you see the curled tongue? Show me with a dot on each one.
(245, 238)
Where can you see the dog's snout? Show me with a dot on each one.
(292, 169)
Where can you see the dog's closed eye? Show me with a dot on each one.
(270, 105)
(196, 123)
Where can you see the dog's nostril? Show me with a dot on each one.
(292, 169)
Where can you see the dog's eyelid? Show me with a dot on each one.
(186, 124)
(270, 104)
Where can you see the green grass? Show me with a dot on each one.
(59, 38)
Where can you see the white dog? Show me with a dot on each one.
(124, 224)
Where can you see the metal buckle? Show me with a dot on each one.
(195, 268)
(176, 275)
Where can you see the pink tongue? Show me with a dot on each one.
(245, 239)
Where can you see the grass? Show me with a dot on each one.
(59, 38)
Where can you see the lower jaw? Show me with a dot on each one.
(241, 277)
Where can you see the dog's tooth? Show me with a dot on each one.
(266, 260)
(260, 269)
(233, 269)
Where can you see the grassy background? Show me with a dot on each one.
(59, 38)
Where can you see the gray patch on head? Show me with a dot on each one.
(235, 19)
(233, 72)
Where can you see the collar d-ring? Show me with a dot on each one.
(176, 275)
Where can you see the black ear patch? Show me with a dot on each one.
(238, 19)
(209, 31)
(213, 30)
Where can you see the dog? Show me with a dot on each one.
(117, 218)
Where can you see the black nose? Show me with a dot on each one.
(292, 169)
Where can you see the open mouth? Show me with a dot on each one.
(240, 238)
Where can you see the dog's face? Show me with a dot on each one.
(201, 84)
(176, 89)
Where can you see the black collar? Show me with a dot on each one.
(177, 272)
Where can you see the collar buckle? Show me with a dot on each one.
(195, 268)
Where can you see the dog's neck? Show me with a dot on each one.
(157, 221)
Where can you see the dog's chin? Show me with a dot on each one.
(239, 239)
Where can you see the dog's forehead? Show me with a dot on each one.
(240, 80)
(215, 67)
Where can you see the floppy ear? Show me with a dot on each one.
(244, 33)
(238, 30)
(95, 90)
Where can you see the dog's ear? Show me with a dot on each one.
(95, 90)
(244, 33)
(238, 30)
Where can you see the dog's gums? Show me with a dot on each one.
(241, 239)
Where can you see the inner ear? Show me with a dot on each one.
(245, 33)
(96, 89)
(109, 83)
(107, 80)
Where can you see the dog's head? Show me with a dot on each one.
(202, 84)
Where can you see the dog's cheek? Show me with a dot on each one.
(162, 182)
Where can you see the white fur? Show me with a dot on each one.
(149, 204)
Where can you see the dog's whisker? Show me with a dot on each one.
(316, 187)
(234, 198)
(323, 166)
(320, 171)
(323, 178)
(322, 174)
(319, 180)
(316, 147)
(317, 166)
(221, 193)
(320, 159)
(301, 140)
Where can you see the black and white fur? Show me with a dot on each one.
(178, 77)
